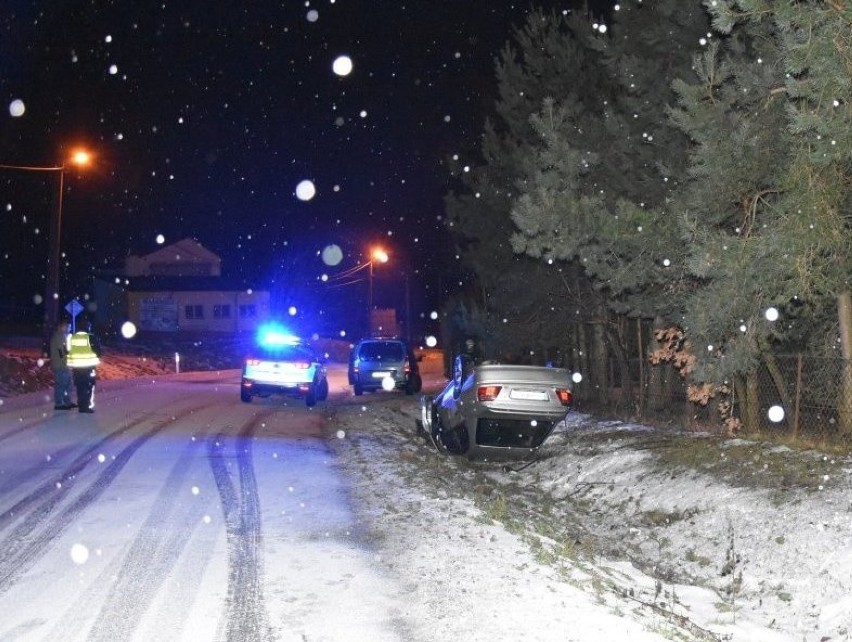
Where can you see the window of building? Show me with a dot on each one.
(248, 311)
(222, 311)
(194, 311)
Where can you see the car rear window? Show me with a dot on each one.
(382, 351)
(285, 353)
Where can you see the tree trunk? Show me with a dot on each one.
(600, 369)
(844, 401)
(777, 378)
(659, 374)
(617, 346)
(751, 404)
(580, 362)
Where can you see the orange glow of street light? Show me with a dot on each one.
(81, 157)
(378, 254)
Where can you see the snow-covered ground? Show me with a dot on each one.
(737, 541)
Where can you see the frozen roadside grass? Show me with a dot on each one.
(724, 534)
(400, 479)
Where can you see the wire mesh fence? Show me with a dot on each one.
(801, 397)
(788, 397)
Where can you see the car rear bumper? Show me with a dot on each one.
(368, 382)
(267, 388)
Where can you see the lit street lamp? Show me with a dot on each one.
(78, 158)
(377, 254)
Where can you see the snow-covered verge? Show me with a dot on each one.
(690, 537)
(23, 369)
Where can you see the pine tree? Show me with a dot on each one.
(769, 174)
(596, 184)
(525, 299)
(817, 41)
(736, 119)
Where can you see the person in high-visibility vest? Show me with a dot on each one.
(83, 355)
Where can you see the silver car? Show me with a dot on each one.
(497, 410)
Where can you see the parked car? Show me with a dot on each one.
(376, 364)
(280, 364)
(496, 410)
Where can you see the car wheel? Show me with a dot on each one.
(245, 397)
(323, 390)
(415, 384)
(359, 389)
(311, 397)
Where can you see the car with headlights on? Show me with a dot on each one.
(282, 364)
(496, 410)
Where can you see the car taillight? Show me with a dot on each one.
(302, 365)
(565, 396)
(252, 362)
(488, 393)
(406, 366)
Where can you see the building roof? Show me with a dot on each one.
(187, 249)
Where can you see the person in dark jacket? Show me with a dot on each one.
(59, 366)
(83, 356)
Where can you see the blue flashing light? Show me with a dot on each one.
(272, 335)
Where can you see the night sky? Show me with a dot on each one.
(204, 117)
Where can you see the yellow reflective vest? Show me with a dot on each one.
(80, 351)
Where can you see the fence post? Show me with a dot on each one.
(798, 395)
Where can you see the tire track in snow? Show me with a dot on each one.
(151, 557)
(63, 481)
(45, 518)
(247, 619)
(19, 429)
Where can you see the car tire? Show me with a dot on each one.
(311, 397)
(245, 397)
(415, 384)
(358, 389)
(323, 390)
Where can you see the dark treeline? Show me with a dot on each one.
(666, 203)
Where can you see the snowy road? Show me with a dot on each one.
(175, 512)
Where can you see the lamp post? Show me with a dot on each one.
(376, 254)
(78, 158)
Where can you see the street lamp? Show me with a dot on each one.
(78, 158)
(376, 254)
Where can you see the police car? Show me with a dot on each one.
(281, 364)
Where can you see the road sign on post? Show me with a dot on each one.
(73, 308)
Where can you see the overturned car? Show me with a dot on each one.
(496, 410)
